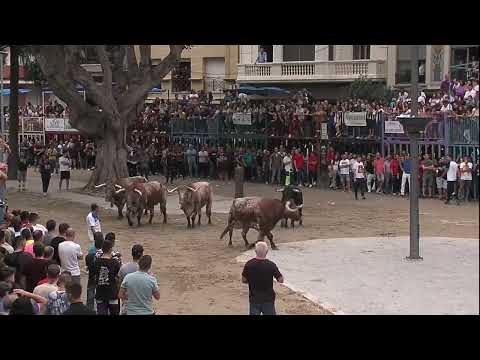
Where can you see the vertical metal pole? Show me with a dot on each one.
(414, 183)
(382, 133)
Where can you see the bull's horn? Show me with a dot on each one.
(288, 208)
(192, 189)
(144, 178)
(300, 206)
(280, 190)
(138, 192)
(118, 186)
(119, 191)
(296, 190)
(173, 190)
(100, 186)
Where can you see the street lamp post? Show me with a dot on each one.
(414, 125)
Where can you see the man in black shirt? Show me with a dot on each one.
(62, 229)
(258, 273)
(74, 292)
(19, 260)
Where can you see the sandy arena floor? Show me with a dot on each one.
(198, 273)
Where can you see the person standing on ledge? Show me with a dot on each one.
(258, 273)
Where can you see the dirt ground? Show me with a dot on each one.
(198, 273)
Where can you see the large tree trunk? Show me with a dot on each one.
(13, 113)
(111, 158)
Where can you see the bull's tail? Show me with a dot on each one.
(230, 224)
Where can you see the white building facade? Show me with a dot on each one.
(333, 67)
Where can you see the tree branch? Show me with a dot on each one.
(107, 69)
(145, 57)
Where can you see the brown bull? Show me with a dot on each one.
(116, 194)
(259, 213)
(196, 196)
(143, 197)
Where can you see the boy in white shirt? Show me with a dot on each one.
(64, 164)
(466, 168)
(344, 169)
(452, 175)
(359, 178)
(93, 221)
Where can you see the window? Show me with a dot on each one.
(181, 73)
(331, 52)
(269, 50)
(88, 55)
(298, 52)
(361, 52)
(404, 64)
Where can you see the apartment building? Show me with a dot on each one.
(330, 69)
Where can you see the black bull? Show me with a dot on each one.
(294, 194)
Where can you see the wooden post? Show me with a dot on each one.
(239, 181)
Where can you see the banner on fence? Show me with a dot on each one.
(324, 132)
(355, 118)
(242, 118)
(54, 124)
(393, 127)
(68, 126)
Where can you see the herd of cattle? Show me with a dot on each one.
(140, 196)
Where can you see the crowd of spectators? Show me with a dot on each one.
(41, 266)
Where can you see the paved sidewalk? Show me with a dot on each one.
(371, 275)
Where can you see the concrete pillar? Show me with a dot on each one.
(239, 181)
(446, 60)
(391, 64)
(277, 53)
(428, 67)
(343, 52)
(321, 52)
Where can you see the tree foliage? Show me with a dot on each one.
(364, 88)
(128, 76)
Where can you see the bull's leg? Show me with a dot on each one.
(199, 217)
(208, 211)
(163, 208)
(293, 224)
(139, 217)
(270, 238)
(301, 217)
(188, 222)
(130, 222)
(244, 235)
(230, 233)
(193, 220)
(120, 211)
(152, 211)
(284, 223)
(145, 212)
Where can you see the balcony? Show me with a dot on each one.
(312, 71)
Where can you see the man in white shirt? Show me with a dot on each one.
(64, 164)
(203, 162)
(287, 166)
(452, 175)
(359, 178)
(69, 253)
(93, 221)
(466, 168)
(344, 168)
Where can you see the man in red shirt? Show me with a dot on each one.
(299, 163)
(395, 168)
(312, 168)
(379, 164)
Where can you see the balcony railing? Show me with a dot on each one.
(312, 70)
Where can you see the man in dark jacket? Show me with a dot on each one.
(74, 292)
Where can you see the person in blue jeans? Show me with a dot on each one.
(258, 273)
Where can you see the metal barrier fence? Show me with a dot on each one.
(463, 130)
